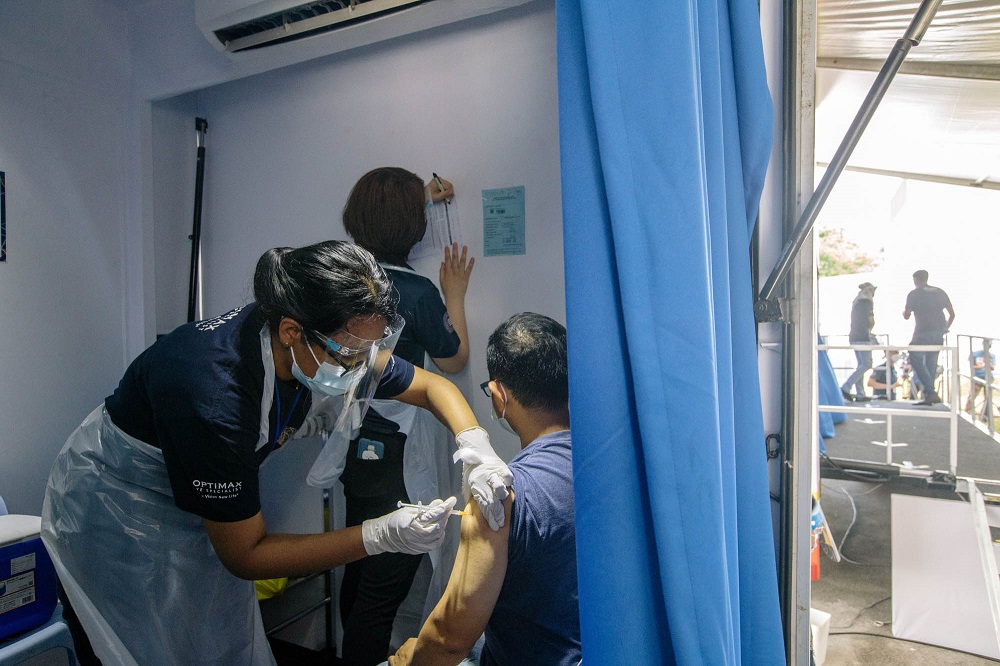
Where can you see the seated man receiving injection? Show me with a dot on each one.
(519, 583)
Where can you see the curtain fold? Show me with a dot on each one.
(665, 131)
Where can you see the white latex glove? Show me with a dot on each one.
(408, 530)
(484, 475)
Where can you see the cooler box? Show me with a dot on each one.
(27, 580)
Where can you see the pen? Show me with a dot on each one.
(401, 504)
(447, 217)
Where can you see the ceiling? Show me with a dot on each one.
(941, 116)
(964, 36)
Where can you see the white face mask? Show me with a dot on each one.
(329, 379)
(502, 418)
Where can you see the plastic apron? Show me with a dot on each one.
(428, 471)
(140, 573)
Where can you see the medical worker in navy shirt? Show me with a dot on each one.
(385, 214)
(152, 510)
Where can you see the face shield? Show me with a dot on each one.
(353, 367)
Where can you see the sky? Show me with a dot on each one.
(952, 232)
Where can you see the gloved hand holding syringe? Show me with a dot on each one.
(400, 504)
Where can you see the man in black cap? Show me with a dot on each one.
(862, 323)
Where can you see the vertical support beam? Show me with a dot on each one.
(953, 421)
(800, 393)
(988, 389)
(888, 437)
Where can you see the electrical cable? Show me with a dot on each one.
(858, 614)
(906, 640)
(847, 532)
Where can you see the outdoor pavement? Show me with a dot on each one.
(858, 590)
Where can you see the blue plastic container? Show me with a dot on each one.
(28, 586)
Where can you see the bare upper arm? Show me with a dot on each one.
(452, 364)
(442, 398)
(234, 542)
(467, 604)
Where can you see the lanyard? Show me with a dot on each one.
(279, 427)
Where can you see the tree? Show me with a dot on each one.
(839, 255)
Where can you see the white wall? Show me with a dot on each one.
(474, 101)
(173, 173)
(63, 84)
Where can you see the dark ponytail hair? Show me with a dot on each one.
(321, 286)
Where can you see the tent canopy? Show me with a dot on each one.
(939, 117)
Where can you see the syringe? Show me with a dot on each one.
(401, 504)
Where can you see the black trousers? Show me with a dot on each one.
(372, 590)
(374, 587)
(81, 643)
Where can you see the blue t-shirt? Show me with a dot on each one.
(537, 616)
(196, 393)
(428, 326)
(979, 365)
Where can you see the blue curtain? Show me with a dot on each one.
(829, 394)
(665, 130)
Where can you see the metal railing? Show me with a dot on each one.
(949, 395)
(984, 417)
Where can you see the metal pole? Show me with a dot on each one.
(764, 309)
(988, 389)
(795, 510)
(787, 536)
(888, 439)
(953, 422)
(201, 127)
(331, 649)
(970, 403)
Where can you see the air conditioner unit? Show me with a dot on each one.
(243, 26)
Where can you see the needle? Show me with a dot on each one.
(454, 512)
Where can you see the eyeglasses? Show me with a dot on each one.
(486, 388)
(343, 356)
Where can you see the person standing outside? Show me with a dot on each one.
(982, 361)
(928, 306)
(862, 324)
(385, 214)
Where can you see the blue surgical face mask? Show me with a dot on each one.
(329, 379)
(502, 418)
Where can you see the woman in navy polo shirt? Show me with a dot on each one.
(152, 510)
(385, 214)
